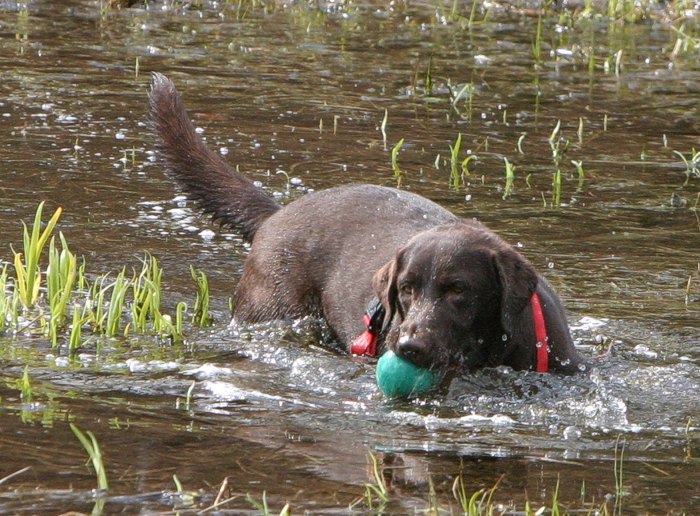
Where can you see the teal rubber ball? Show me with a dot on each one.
(399, 378)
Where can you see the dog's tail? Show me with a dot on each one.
(226, 195)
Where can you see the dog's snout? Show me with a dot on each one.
(414, 351)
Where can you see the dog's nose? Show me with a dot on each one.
(414, 351)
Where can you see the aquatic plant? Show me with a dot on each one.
(537, 44)
(556, 188)
(692, 163)
(201, 303)
(455, 178)
(29, 274)
(510, 176)
(5, 301)
(60, 278)
(398, 175)
(89, 442)
(383, 127)
(376, 491)
(579, 170)
(24, 386)
(264, 509)
(479, 502)
(619, 481)
(41, 302)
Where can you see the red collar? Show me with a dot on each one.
(366, 343)
(541, 337)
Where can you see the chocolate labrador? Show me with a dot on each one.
(384, 267)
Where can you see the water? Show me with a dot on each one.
(303, 89)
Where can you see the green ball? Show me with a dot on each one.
(399, 378)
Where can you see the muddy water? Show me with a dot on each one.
(304, 90)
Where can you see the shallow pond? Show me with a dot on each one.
(306, 96)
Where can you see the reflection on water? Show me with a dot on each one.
(304, 90)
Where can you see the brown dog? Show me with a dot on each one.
(451, 293)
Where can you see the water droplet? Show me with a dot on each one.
(504, 337)
(550, 265)
(538, 344)
(571, 433)
(582, 367)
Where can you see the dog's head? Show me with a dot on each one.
(450, 289)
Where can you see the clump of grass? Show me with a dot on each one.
(27, 263)
(60, 303)
(201, 315)
(479, 502)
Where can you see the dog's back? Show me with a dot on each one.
(227, 196)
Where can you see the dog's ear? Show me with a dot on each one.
(384, 285)
(518, 280)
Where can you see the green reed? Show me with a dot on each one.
(24, 386)
(579, 170)
(201, 315)
(5, 301)
(479, 502)
(89, 442)
(263, 508)
(537, 44)
(455, 177)
(556, 188)
(60, 278)
(28, 273)
(619, 479)
(76, 331)
(459, 169)
(377, 490)
(510, 177)
(119, 288)
(398, 175)
(146, 291)
(429, 77)
(385, 120)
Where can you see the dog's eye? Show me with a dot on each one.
(406, 288)
(456, 288)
